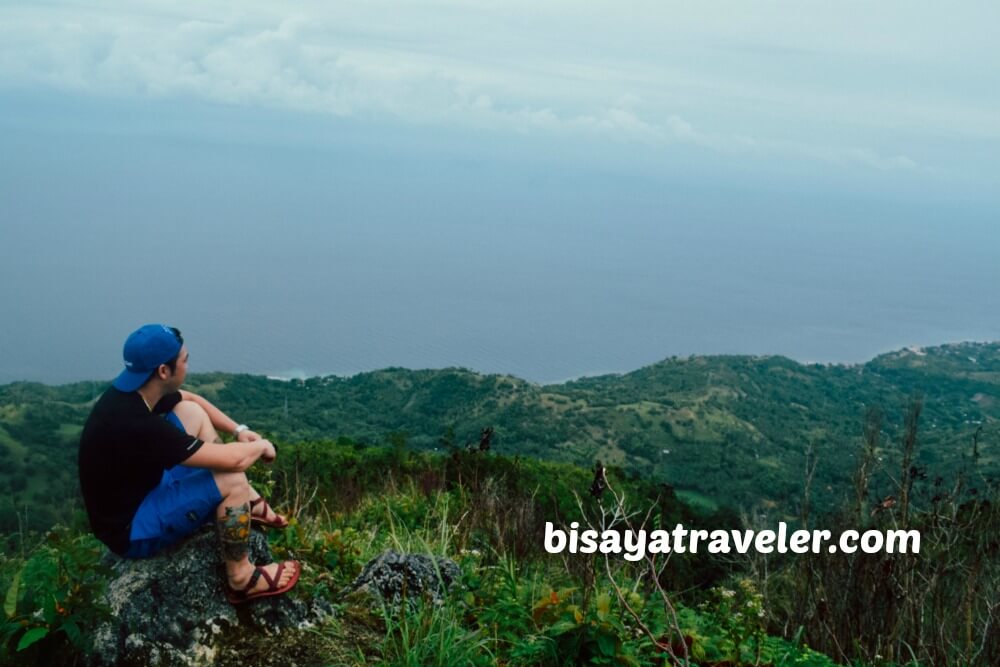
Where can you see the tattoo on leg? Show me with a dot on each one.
(234, 532)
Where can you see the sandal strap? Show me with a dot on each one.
(239, 596)
(272, 583)
(254, 578)
(267, 508)
(278, 521)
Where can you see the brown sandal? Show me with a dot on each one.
(278, 522)
(240, 596)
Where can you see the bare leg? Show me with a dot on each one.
(196, 422)
(232, 520)
(232, 517)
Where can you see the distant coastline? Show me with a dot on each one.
(302, 374)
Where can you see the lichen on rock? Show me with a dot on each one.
(392, 577)
(171, 610)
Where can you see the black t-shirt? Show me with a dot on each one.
(124, 449)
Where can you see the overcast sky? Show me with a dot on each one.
(499, 138)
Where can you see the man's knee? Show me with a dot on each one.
(231, 483)
(192, 416)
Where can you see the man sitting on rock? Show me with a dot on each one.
(153, 468)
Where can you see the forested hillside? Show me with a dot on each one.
(908, 440)
(727, 429)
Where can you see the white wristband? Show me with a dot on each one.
(239, 429)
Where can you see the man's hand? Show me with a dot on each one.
(234, 457)
(269, 451)
(247, 435)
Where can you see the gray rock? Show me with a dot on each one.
(393, 577)
(171, 609)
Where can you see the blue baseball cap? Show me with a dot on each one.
(145, 349)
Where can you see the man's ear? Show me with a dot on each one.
(163, 371)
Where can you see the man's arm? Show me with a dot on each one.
(234, 457)
(218, 418)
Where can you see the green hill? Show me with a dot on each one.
(728, 429)
(686, 438)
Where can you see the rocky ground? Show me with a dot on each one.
(171, 610)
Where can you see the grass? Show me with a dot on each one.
(70, 432)
(697, 500)
(433, 636)
(428, 634)
(15, 447)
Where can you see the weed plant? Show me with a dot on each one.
(514, 605)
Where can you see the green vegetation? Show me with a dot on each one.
(733, 429)
(53, 597)
(516, 605)
(708, 442)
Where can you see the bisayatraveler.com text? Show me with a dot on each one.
(636, 545)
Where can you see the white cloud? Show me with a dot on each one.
(727, 78)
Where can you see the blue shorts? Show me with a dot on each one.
(184, 501)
